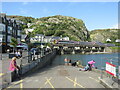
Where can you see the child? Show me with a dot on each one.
(66, 61)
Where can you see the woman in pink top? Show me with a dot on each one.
(14, 68)
(91, 64)
(13, 65)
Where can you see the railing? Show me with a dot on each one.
(31, 60)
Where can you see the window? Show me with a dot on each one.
(13, 33)
(9, 29)
(9, 39)
(18, 39)
(2, 27)
(2, 36)
(18, 32)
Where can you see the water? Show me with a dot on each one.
(100, 59)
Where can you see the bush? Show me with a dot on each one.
(59, 33)
(49, 33)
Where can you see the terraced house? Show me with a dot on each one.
(9, 28)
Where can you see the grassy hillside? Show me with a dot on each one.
(103, 34)
(57, 25)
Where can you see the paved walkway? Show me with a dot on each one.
(4, 65)
(59, 77)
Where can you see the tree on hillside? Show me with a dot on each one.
(59, 32)
(14, 43)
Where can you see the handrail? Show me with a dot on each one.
(112, 60)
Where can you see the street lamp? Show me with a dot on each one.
(41, 46)
(27, 39)
(1, 48)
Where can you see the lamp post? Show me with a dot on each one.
(41, 46)
(27, 39)
(1, 48)
(39, 39)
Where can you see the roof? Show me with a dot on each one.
(56, 37)
(108, 39)
(48, 37)
(23, 36)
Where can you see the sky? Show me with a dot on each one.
(95, 15)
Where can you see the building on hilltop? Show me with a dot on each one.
(46, 39)
(117, 40)
(37, 38)
(108, 40)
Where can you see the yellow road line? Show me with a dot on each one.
(48, 81)
(21, 84)
(18, 82)
(9, 87)
(1, 74)
(75, 82)
(94, 79)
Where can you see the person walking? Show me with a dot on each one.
(14, 68)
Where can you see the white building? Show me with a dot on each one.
(47, 39)
(108, 40)
(28, 30)
(117, 40)
(65, 38)
(37, 38)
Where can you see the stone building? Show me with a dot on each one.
(9, 28)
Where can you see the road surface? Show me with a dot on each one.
(59, 76)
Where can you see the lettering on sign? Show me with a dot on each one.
(111, 69)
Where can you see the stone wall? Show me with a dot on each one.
(39, 63)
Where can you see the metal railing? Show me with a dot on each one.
(32, 60)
